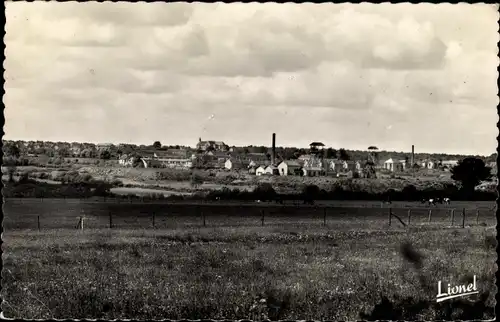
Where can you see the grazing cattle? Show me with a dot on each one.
(432, 202)
(257, 201)
(446, 201)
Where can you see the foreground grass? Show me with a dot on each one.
(290, 272)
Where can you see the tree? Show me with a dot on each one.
(157, 145)
(105, 155)
(470, 172)
(331, 153)
(310, 193)
(264, 191)
(12, 150)
(11, 171)
(102, 189)
(343, 155)
(196, 180)
(373, 154)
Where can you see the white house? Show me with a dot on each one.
(260, 171)
(394, 165)
(312, 171)
(289, 167)
(271, 169)
(336, 165)
(354, 166)
(449, 164)
(175, 163)
(428, 164)
(310, 160)
(126, 160)
(233, 164)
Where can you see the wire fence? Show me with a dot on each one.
(84, 216)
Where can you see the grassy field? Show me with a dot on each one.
(291, 268)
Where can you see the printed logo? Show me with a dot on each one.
(456, 291)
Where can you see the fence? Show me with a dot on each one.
(463, 215)
(178, 216)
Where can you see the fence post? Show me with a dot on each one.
(463, 218)
(38, 222)
(110, 220)
(390, 216)
(262, 211)
(430, 216)
(82, 222)
(477, 216)
(204, 222)
(409, 217)
(324, 216)
(153, 219)
(452, 217)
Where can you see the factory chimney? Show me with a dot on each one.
(412, 156)
(273, 153)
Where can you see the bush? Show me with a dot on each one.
(264, 191)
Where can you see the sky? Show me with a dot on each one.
(348, 75)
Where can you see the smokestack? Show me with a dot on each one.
(412, 155)
(273, 155)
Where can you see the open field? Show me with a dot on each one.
(286, 271)
(65, 213)
(179, 180)
(293, 267)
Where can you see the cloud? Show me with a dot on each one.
(332, 71)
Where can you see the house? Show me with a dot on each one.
(211, 145)
(175, 163)
(104, 146)
(272, 170)
(403, 164)
(335, 165)
(394, 165)
(252, 169)
(428, 164)
(448, 164)
(354, 166)
(310, 160)
(289, 167)
(234, 164)
(260, 171)
(126, 160)
(312, 171)
(179, 153)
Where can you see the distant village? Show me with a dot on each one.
(217, 155)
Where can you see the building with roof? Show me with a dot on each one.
(394, 165)
(312, 171)
(234, 164)
(289, 167)
(428, 164)
(448, 164)
(272, 170)
(260, 170)
(211, 145)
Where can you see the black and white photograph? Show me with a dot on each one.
(250, 161)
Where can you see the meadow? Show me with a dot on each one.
(293, 267)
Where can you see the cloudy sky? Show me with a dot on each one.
(347, 75)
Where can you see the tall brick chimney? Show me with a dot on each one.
(412, 156)
(273, 155)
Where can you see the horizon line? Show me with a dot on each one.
(242, 146)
